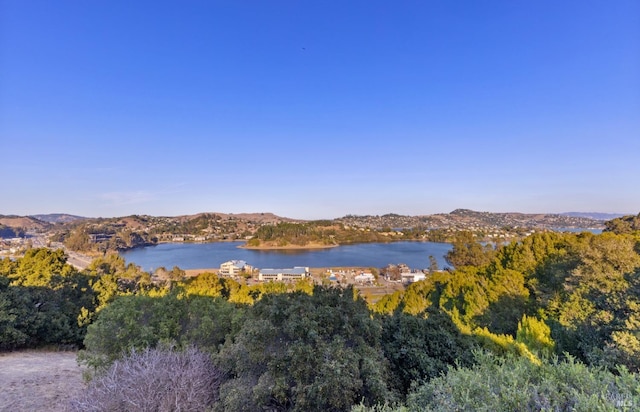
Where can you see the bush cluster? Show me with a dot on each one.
(159, 380)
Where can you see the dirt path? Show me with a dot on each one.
(38, 380)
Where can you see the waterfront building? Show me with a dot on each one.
(411, 277)
(234, 267)
(284, 275)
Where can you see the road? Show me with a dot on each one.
(78, 260)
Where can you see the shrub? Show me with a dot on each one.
(138, 322)
(515, 383)
(153, 380)
(421, 348)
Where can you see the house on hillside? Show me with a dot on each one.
(99, 237)
(234, 268)
(284, 275)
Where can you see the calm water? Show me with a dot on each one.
(575, 230)
(211, 255)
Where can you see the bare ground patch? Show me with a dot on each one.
(38, 380)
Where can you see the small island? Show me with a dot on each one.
(319, 234)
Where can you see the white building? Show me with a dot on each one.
(284, 275)
(410, 277)
(234, 267)
(364, 277)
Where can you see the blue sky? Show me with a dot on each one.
(318, 109)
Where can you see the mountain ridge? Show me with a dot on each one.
(566, 219)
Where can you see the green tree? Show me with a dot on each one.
(138, 322)
(111, 276)
(177, 274)
(433, 264)
(39, 267)
(33, 316)
(623, 225)
(205, 284)
(536, 335)
(526, 255)
(597, 297)
(467, 251)
(420, 348)
(78, 240)
(388, 303)
(41, 300)
(297, 352)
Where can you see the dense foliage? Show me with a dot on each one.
(420, 348)
(45, 301)
(626, 224)
(553, 319)
(317, 232)
(302, 352)
(496, 384)
(139, 322)
(42, 300)
(323, 232)
(467, 251)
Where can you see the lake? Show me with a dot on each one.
(211, 255)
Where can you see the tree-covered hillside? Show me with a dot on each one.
(625, 224)
(322, 232)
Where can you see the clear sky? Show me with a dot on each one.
(318, 109)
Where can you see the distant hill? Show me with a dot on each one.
(466, 219)
(624, 224)
(265, 217)
(23, 222)
(58, 218)
(593, 215)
